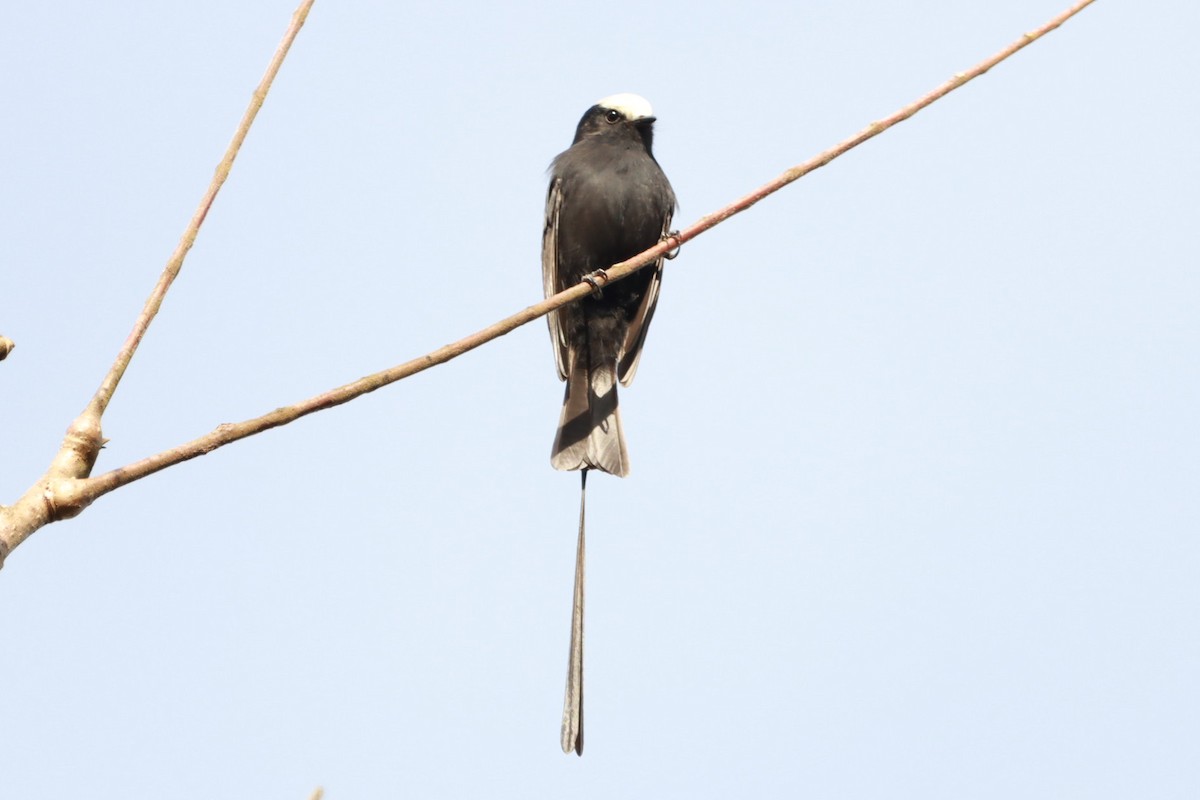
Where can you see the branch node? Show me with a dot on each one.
(80, 448)
(65, 498)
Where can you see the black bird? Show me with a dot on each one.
(608, 201)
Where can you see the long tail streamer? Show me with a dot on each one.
(572, 722)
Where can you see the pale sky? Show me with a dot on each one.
(916, 486)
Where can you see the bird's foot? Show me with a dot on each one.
(596, 280)
(678, 245)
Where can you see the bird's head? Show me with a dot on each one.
(619, 116)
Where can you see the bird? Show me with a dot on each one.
(608, 200)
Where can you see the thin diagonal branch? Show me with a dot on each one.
(231, 432)
(108, 386)
(869, 132)
(60, 493)
(65, 491)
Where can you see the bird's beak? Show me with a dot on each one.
(645, 120)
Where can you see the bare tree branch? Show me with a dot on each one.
(59, 494)
(872, 130)
(66, 490)
(108, 386)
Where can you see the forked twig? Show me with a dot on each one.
(66, 490)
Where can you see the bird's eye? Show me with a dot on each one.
(613, 115)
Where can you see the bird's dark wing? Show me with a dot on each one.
(635, 337)
(558, 337)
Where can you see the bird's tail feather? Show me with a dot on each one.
(589, 430)
(572, 721)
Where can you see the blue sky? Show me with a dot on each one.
(913, 508)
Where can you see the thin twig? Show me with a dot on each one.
(65, 490)
(869, 132)
(61, 492)
(231, 432)
(108, 386)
